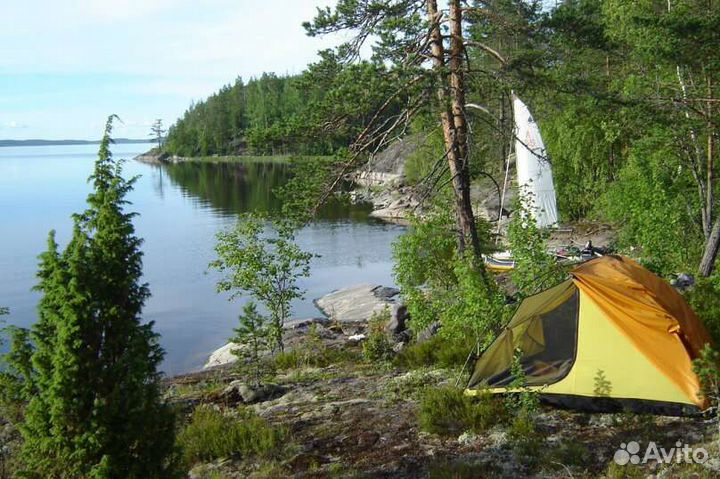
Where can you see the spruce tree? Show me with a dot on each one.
(95, 409)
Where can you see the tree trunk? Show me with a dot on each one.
(707, 264)
(709, 189)
(452, 118)
(457, 94)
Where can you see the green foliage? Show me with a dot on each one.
(315, 113)
(476, 307)
(706, 368)
(16, 374)
(535, 268)
(439, 286)
(704, 298)
(525, 440)
(524, 401)
(211, 435)
(377, 346)
(616, 471)
(266, 267)
(312, 352)
(252, 335)
(448, 411)
(89, 367)
(301, 194)
(584, 141)
(421, 163)
(651, 201)
(436, 351)
(570, 453)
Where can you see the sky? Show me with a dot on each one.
(66, 65)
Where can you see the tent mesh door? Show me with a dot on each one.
(547, 342)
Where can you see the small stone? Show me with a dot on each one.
(601, 420)
(468, 438)
(498, 437)
(367, 439)
(428, 332)
(712, 464)
(305, 461)
(356, 338)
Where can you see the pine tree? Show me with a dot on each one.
(96, 410)
(253, 335)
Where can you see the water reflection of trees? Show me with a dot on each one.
(233, 188)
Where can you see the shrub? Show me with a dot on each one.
(376, 346)
(616, 471)
(448, 411)
(704, 298)
(706, 367)
(252, 334)
(312, 352)
(439, 285)
(211, 435)
(266, 266)
(421, 162)
(525, 440)
(570, 453)
(89, 368)
(436, 351)
(525, 401)
(535, 268)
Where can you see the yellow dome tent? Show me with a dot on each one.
(614, 336)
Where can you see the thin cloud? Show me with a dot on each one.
(13, 125)
(149, 58)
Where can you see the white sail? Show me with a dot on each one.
(534, 174)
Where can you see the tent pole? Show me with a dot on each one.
(457, 381)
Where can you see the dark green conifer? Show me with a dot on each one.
(95, 409)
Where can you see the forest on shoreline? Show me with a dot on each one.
(624, 93)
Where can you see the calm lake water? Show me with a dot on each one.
(181, 208)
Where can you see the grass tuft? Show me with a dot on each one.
(448, 411)
(212, 435)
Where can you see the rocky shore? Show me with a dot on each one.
(154, 157)
(350, 417)
(346, 314)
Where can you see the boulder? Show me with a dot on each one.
(356, 304)
(397, 324)
(223, 355)
(238, 391)
(293, 328)
(304, 323)
(428, 332)
(386, 293)
(683, 282)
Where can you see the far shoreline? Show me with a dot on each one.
(34, 142)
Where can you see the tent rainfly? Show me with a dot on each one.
(612, 337)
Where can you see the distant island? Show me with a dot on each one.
(68, 142)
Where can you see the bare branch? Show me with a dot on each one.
(491, 51)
